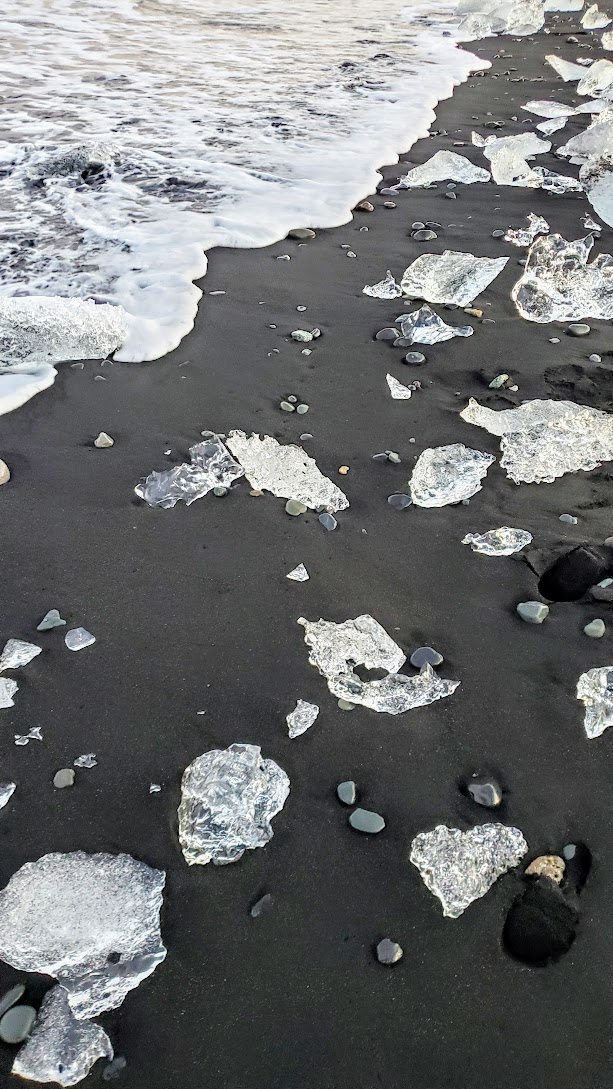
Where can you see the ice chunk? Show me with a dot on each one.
(394, 694)
(548, 108)
(524, 236)
(87, 760)
(444, 166)
(569, 72)
(79, 638)
(558, 284)
(211, 466)
(301, 718)
(595, 140)
(396, 388)
(595, 690)
(35, 734)
(508, 156)
(460, 867)
(61, 1049)
(228, 799)
(8, 688)
(42, 328)
(448, 474)
(596, 176)
(6, 793)
(285, 470)
(551, 126)
(543, 440)
(17, 653)
(593, 19)
(498, 542)
(539, 178)
(450, 277)
(607, 39)
(69, 916)
(423, 326)
(299, 574)
(597, 79)
(485, 18)
(385, 289)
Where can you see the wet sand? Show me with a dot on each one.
(192, 612)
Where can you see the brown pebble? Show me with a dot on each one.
(365, 206)
(551, 866)
(472, 310)
(254, 491)
(344, 469)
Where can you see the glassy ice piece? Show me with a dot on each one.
(607, 39)
(548, 108)
(444, 166)
(540, 178)
(337, 648)
(211, 467)
(553, 125)
(569, 72)
(508, 155)
(423, 326)
(594, 19)
(595, 140)
(558, 284)
(67, 914)
(460, 867)
(524, 236)
(35, 734)
(79, 638)
(61, 1049)
(595, 690)
(498, 542)
(16, 653)
(299, 574)
(6, 793)
(8, 688)
(88, 760)
(385, 289)
(394, 694)
(285, 470)
(301, 718)
(228, 799)
(448, 474)
(543, 440)
(450, 277)
(596, 176)
(597, 79)
(396, 388)
(590, 224)
(39, 328)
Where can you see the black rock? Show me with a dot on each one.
(541, 923)
(484, 790)
(572, 575)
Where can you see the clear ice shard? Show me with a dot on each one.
(301, 718)
(61, 1049)
(17, 653)
(228, 799)
(8, 688)
(558, 283)
(596, 176)
(595, 690)
(508, 156)
(396, 693)
(486, 17)
(423, 326)
(597, 79)
(211, 467)
(40, 328)
(69, 915)
(450, 277)
(299, 574)
(543, 440)
(444, 166)
(593, 19)
(553, 125)
(6, 793)
(385, 289)
(448, 474)
(285, 470)
(607, 39)
(498, 542)
(79, 638)
(460, 867)
(568, 71)
(35, 734)
(87, 760)
(547, 108)
(396, 388)
(523, 236)
(595, 140)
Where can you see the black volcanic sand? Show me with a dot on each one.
(192, 612)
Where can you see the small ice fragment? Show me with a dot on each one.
(558, 283)
(423, 326)
(87, 760)
(460, 867)
(597, 79)
(301, 718)
(595, 690)
(553, 125)
(262, 905)
(596, 176)
(444, 166)
(569, 72)
(103, 441)
(508, 156)
(298, 574)
(524, 236)
(79, 638)
(498, 542)
(154, 788)
(385, 289)
(396, 388)
(6, 793)
(8, 689)
(17, 653)
(35, 734)
(328, 521)
(548, 108)
(61, 1049)
(285, 470)
(52, 329)
(593, 19)
(448, 474)
(50, 620)
(589, 223)
(228, 799)
(450, 277)
(211, 466)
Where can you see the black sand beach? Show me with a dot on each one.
(192, 612)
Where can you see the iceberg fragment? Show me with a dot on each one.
(61, 1049)
(508, 155)
(423, 326)
(607, 39)
(298, 574)
(8, 688)
(211, 466)
(553, 125)
(450, 277)
(396, 693)
(597, 79)
(596, 139)
(596, 176)
(17, 653)
(41, 328)
(448, 474)
(301, 718)
(593, 19)
(524, 236)
(285, 470)
(396, 388)
(595, 690)
(385, 289)
(548, 108)
(498, 542)
(569, 72)
(486, 17)
(558, 283)
(444, 166)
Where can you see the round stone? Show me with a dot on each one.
(415, 359)
(595, 629)
(103, 441)
(425, 236)
(426, 656)
(533, 612)
(16, 1024)
(301, 233)
(327, 520)
(484, 790)
(363, 820)
(389, 952)
(387, 334)
(347, 792)
(219, 490)
(569, 519)
(295, 507)
(578, 329)
(595, 358)
(417, 226)
(551, 866)
(11, 997)
(400, 501)
(301, 409)
(498, 234)
(5, 472)
(345, 705)
(285, 406)
(450, 195)
(388, 204)
(292, 399)
(64, 778)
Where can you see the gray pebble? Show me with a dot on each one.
(602, 593)
(569, 852)
(263, 904)
(578, 329)
(426, 655)
(64, 778)
(402, 342)
(609, 542)
(425, 236)
(387, 334)
(485, 791)
(11, 997)
(432, 225)
(498, 234)
(595, 629)
(392, 456)
(285, 406)
(328, 521)
(389, 952)
(301, 409)
(498, 381)
(569, 518)
(219, 490)
(50, 620)
(305, 436)
(363, 820)
(293, 400)
(450, 195)
(389, 204)
(534, 612)
(16, 1024)
(415, 359)
(302, 233)
(345, 705)
(347, 792)
(114, 1068)
(417, 226)
(595, 358)
(295, 507)
(400, 501)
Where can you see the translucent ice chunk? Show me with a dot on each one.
(593, 19)
(61, 1049)
(548, 108)
(87, 760)
(285, 470)
(498, 542)
(450, 277)
(385, 289)
(524, 236)
(299, 574)
(597, 79)
(543, 440)
(301, 718)
(67, 914)
(558, 284)
(423, 326)
(596, 176)
(607, 39)
(79, 638)
(596, 139)
(50, 329)
(448, 474)
(553, 125)
(460, 867)
(394, 694)
(8, 688)
(228, 799)
(595, 690)
(211, 466)
(569, 72)
(444, 166)
(396, 388)
(35, 734)
(6, 793)
(17, 653)
(508, 156)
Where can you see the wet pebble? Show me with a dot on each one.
(426, 656)
(425, 236)
(347, 792)
(578, 329)
(5, 472)
(292, 399)
(306, 435)
(363, 820)
(365, 206)
(450, 195)
(301, 233)
(595, 629)
(389, 952)
(595, 359)
(389, 204)
(345, 705)
(103, 441)
(569, 518)
(417, 226)
(343, 470)
(51, 619)
(286, 407)
(498, 381)
(485, 790)
(302, 336)
(219, 490)
(498, 234)
(16, 1024)
(328, 521)
(295, 507)
(552, 340)
(400, 501)
(415, 359)
(387, 334)
(262, 905)
(533, 612)
(9, 998)
(64, 778)
(392, 456)
(301, 409)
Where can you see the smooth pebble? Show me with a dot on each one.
(328, 521)
(363, 820)
(50, 620)
(389, 952)
(5, 472)
(533, 612)
(595, 629)
(426, 656)
(295, 507)
(569, 518)
(263, 904)
(347, 792)
(64, 778)
(578, 329)
(484, 791)
(400, 501)
(16, 1024)
(415, 358)
(103, 441)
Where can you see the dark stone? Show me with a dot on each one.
(425, 236)
(572, 575)
(263, 904)
(541, 924)
(484, 790)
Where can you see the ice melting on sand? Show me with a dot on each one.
(558, 284)
(498, 542)
(523, 236)
(597, 79)
(385, 289)
(8, 688)
(211, 466)
(548, 108)
(448, 474)
(285, 470)
(396, 388)
(61, 1049)
(568, 71)
(17, 653)
(301, 718)
(444, 166)
(450, 277)
(228, 799)
(595, 140)
(595, 690)
(596, 176)
(460, 867)
(509, 154)
(593, 19)
(298, 574)
(423, 326)
(482, 18)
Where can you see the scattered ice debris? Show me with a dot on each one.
(154, 788)
(595, 690)
(50, 620)
(484, 790)
(35, 734)
(508, 156)
(460, 867)
(44, 329)
(389, 952)
(79, 638)
(301, 718)
(211, 466)
(543, 440)
(444, 166)
(64, 778)
(498, 542)
(16, 1024)
(8, 688)
(87, 760)
(228, 799)
(103, 441)
(347, 792)
(423, 326)
(285, 470)
(595, 629)
(363, 820)
(533, 612)
(450, 277)
(526, 235)
(298, 574)
(385, 289)
(61, 1049)
(17, 653)
(558, 284)
(68, 915)
(396, 388)
(593, 19)
(6, 793)
(568, 71)
(448, 474)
